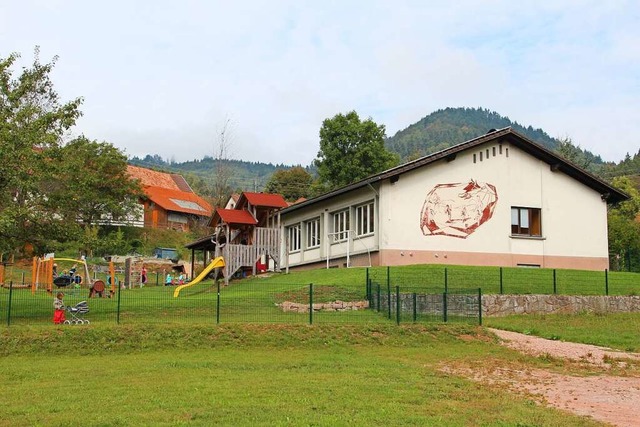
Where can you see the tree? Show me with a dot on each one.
(292, 183)
(92, 184)
(351, 150)
(623, 226)
(32, 121)
(222, 172)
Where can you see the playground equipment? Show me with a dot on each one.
(216, 263)
(44, 273)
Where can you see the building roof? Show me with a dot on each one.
(181, 183)
(555, 161)
(169, 191)
(265, 200)
(178, 201)
(149, 177)
(233, 216)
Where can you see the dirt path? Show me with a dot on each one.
(607, 398)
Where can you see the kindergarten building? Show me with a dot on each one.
(496, 200)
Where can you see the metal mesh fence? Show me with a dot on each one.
(422, 304)
(210, 303)
(503, 280)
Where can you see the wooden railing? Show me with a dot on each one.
(266, 241)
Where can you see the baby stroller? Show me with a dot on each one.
(77, 314)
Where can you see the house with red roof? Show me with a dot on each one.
(247, 235)
(169, 201)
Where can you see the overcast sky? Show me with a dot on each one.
(162, 77)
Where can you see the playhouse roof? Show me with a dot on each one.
(232, 216)
(266, 200)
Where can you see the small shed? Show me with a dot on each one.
(166, 253)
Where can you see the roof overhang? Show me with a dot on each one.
(555, 161)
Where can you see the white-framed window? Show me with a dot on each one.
(526, 221)
(313, 233)
(293, 234)
(341, 225)
(365, 219)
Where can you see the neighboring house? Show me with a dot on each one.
(247, 236)
(169, 201)
(231, 203)
(496, 200)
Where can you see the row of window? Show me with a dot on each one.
(340, 227)
(524, 222)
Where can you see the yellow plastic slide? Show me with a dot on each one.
(216, 263)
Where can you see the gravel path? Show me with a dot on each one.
(608, 398)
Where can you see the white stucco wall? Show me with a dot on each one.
(573, 215)
(324, 211)
(574, 223)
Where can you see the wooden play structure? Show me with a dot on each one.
(46, 273)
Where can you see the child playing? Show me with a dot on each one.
(58, 306)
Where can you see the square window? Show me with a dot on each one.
(526, 221)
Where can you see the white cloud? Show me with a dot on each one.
(157, 77)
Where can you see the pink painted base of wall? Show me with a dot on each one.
(400, 257)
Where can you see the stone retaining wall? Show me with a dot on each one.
(327, 306)
(505, 305)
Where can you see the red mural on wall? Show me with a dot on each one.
(457, 210)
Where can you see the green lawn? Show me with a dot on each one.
(618, 330)
(325, 375)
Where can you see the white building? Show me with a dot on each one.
(499, 200)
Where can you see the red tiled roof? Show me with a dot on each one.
(181, 183)
(261, 200)
(233, 216)
(178, 201)
(148, 177)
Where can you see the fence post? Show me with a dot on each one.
(606, 282)
(388, 276)
(367, 284)
(311, 303)
(480, 306)
(156, 278)
(378, 302)
(555, 283)
(501, 282)
(9, 305)
(389, 301)
(23, 278)
(415, 307)
(446, 280)
(397, 305)
(444, 306)
(218, 302)
(118, 309)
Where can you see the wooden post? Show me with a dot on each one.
(112, 274)
(33, 276)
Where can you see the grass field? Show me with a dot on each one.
(492, 280)
(617, 330)
(169, 362)
(236, 375)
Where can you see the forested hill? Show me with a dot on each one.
(247, 176)
(437, 131)
(444, 128)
